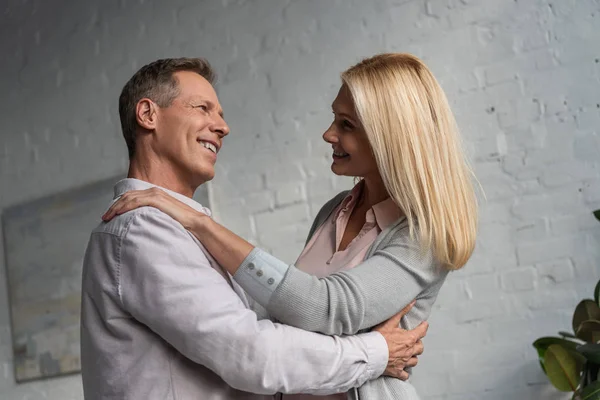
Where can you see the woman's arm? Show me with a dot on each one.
(342, 303)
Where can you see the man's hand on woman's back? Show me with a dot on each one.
(404, 346)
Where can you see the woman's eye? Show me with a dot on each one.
(347, 125)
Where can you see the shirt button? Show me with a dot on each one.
(250, 266)
(259, 272)
(270, 281)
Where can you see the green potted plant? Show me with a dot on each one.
(572, 361)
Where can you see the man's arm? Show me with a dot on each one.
(167, 283)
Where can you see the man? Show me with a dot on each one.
(160, 320)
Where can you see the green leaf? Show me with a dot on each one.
(589, 331)
(542, 344)
(563, 368)
(591, 351)
(591, 392)
(597, 294)
(597, 214)
(586, 310)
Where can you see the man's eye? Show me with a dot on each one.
(202, 107)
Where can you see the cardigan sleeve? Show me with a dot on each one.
(344, 302)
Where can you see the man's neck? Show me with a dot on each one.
(156, 173)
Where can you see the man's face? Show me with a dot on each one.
(189, 132)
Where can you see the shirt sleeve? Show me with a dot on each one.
(168, 284)
(344, 302)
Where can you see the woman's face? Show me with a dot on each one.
(352, 155)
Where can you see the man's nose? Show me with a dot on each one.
(220, 126)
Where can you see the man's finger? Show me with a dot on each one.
(403, 376)
(412, 362)
(421, 330)
(395, 320)
(406, 309)
(418, 348)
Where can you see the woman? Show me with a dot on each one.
(393, 238)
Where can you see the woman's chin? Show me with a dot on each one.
(339, 170)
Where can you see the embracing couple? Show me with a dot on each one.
(177, 307)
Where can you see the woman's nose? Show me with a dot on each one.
(329, 136)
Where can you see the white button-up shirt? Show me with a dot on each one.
(161, 320)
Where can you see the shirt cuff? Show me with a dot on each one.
(260, 274)
(378, 353)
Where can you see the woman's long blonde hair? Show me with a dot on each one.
(418, 151)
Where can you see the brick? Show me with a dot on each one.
(540, 205)
(320, 187)
(570, 224)
(476, 311)
(586, 146)
(560, 174)
(519, 280)
(519, 114)
(290, 193)
(544, 251)
(258, 202)
(531, 231)
(555, 271)
(292, 214)
(591, 192)
(453, 291)
(589, 119)
(499, 74)
(482, 286)
(563, 298)
(283, 174)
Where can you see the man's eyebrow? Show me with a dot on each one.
(210, 104)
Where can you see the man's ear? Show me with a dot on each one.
(145, 113)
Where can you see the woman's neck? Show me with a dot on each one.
(373, 192)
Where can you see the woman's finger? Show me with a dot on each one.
(152, 197)
(111, 210)
(122, 205)
(134, 201)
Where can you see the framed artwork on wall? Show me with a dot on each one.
(44, 246)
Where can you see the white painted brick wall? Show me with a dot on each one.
(523, 77)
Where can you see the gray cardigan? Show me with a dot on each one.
(395, 271)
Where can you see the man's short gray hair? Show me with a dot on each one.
(156, 82)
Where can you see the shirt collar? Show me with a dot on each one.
(386, 213)
(128, 184)
(350, 200)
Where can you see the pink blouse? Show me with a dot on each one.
(321, 257)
